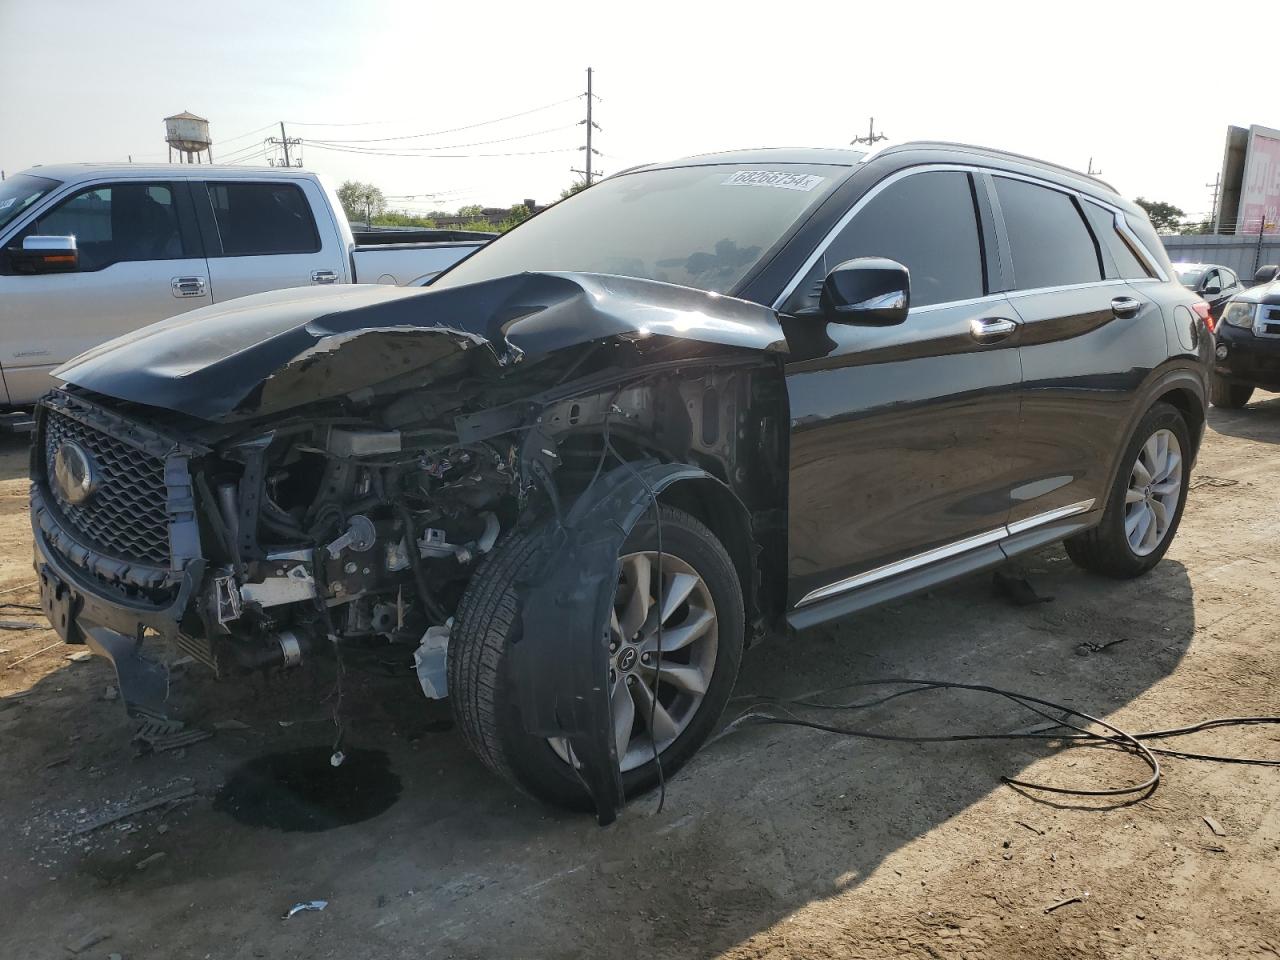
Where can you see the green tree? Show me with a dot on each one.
(573, 188)
(1164, 216)
(361, 201)
(472, 212)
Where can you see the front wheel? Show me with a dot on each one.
(665, 698)
(1230, 396)
(1145, 503)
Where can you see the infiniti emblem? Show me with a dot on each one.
(74, 472)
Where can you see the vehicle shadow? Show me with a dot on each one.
(1258, 421)
(763, 821)
(14, 456)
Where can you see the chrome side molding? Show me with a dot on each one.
(944, 552)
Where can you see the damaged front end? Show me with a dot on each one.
(298, 476)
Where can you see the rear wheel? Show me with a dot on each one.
(1230, 396)
(669, 698)
(1145, 503)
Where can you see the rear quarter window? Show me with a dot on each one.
(1124, 262)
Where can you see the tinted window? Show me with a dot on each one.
(701, 226)
(1121, 260)
(262, 218)
(116, 223)
(1051, 245)
(928, 223)
(1228, 278)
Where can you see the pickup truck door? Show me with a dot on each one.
(140, 261)
(265, 235)
(902, 437)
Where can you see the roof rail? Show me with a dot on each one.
(947, 144)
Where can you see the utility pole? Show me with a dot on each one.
(1217, 186)
(871, 137)
(1092, 172)
(589, 175)
(284, 141)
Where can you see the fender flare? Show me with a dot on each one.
(559, 665)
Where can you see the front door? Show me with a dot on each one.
(902, 437)
(140, 261)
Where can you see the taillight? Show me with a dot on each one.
(1201, 310)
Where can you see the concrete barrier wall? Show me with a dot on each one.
(1242, 254)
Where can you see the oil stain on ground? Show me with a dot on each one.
(300, 790)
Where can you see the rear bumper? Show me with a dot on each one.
(1249, 358)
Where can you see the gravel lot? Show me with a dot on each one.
(774, 842)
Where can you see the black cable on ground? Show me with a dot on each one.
(1132, 743)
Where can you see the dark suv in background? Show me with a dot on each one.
(1247, 353)
(696, 403)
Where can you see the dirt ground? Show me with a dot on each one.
(774, 842)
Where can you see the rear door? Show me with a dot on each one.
(1088, 339)
(263, 235)
(902, 437)
(140, 261)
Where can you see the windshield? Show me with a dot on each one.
(703, 227)
(1188, 276)
(20, 192)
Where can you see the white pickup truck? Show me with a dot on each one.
(91, 251)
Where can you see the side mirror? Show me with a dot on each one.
(46, 255)
(1266, 273)
(871, 291)
(1212, 291)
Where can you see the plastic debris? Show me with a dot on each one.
(306, 905)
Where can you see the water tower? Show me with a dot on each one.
(189, 135)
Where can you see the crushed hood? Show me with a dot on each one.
(274, 351)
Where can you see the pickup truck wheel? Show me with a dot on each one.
(703, 626)
(1230, 396)
(1145, 503)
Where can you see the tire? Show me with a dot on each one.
(484, 699)
(1107, 548)
(1227, 395)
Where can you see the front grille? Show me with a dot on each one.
(126, 516)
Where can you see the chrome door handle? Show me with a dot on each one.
(1125, 307)
(189, 286)
(324, 276)
(991, 329)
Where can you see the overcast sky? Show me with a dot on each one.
(1146, 90)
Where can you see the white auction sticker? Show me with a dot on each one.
(773, 178)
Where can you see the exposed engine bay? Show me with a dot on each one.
(342, 504)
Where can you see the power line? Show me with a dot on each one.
(436, 133)
(223, 143)
(437, 156)
(449, 146)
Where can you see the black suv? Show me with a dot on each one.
(695, 403)
(1247, 354)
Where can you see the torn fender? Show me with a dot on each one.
(560, 664)
(275, 351)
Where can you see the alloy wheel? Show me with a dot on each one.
(1155, 485)
(655, 692)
